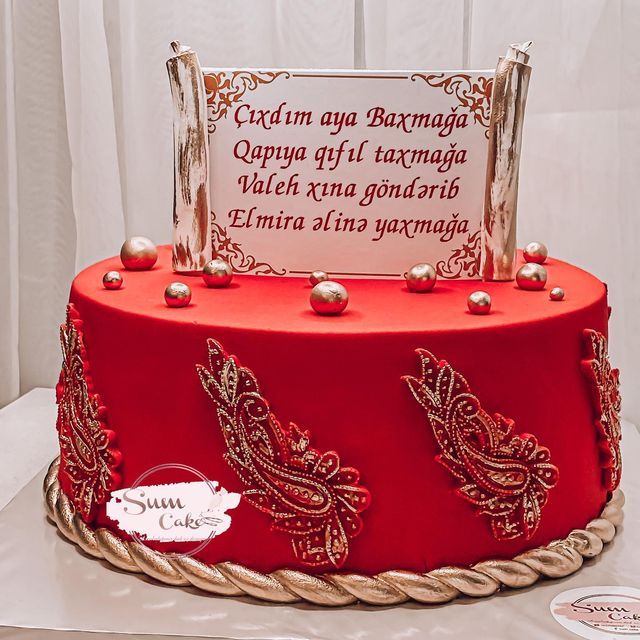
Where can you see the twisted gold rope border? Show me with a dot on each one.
(556, 560)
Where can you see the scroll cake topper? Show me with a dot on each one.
(191, 211)
(508, 102)
(192, 222)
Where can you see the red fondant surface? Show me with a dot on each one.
(340, 377)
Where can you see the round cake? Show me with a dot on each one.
(400, 437)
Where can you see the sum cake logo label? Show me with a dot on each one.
(605, 613)
(185, 511)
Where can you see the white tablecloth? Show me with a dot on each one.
(48, 589)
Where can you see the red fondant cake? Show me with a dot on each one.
(422, 442)
(405, 434)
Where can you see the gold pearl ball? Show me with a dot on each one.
(217, 273)
(317, 277)
(138, 254)
(556, 294)
(479, 303)
(329, 298)
(177, 294)
(535, 252)
(421, 278)
(112, 280)
(531, 277)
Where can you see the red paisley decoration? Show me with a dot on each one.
(506, 475)
(87, 455)
(605, 393)
(307, 493)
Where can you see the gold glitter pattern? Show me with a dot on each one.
(506, 476)
(307, 493)
(605, 394)
(88, 458)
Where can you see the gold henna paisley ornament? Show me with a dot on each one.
(224, 88)
(506, 476)
(88, 456)
(605, 393)
(307, 494)
(464, 262)
(556, 560)
(232, 253)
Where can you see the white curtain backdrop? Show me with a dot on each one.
(86, 146)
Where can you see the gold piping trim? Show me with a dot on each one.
(558, 559)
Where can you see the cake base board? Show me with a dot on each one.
(48, 589)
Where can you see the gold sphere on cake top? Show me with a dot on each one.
(177, 294)
(556, 294)
(138, 254)
(531, 277)
(479, 303)
(217, 273)
(329, 298)
(421, 278)
(535, 252)
(318, 276)
(112, 280)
